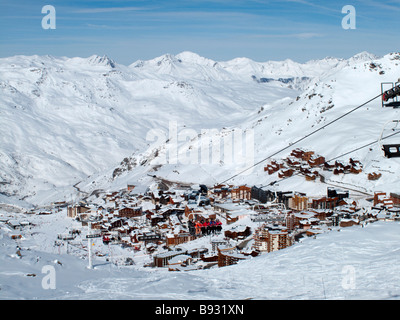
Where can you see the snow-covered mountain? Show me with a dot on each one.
(67, 120)
(337, 90)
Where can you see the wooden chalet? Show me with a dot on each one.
(228, 255)
(316, 161)
(325, 203)
(374, 176)
(179, 238)
(348, 222)
(241, 193)
(395, 198)
(240, 232)
(302, 154)
(130, 212)
(384, 199)
(161, 260)
(285, 173)
(179, 262)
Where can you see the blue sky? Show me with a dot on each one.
(217, 29)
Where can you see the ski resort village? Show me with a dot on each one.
(188, 227)
(182, 177)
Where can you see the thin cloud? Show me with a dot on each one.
(303, 35)
(110, 10)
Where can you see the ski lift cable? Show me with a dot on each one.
(342, 155)
(305, 137)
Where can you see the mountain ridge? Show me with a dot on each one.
(82, 116)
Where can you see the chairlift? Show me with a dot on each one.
(390, 96)
(390, 150)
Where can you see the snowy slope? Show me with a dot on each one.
(355, 263)
(278, 124)
(67, 120)
(63, 119)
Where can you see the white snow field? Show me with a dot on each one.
(348, 263)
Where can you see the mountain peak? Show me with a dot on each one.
(191, 57)
(101, 60)
(364, 56)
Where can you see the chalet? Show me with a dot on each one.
(301, 217)
(179, 238)
(395, 198)
(145, 236)
(341, 165)
(236, 215)
(111, 196)
(316, 161)
(321, 214)
(220, 191)
(292, 161)
(305, 224)
(298, 153)
(356, 169)
(115, 223)
(44, 213)
(302, 154)
(312, 176)
(338, 171)
(373, 176)
(348, 222)
(60, 204)
(325, 203)
(239, 232)
(130, 212)
(179, 262)
(384, 199)
(313, 231)
(305, 169)
(228, 255)
(241, 192)
(274, 166)
(161, 260)
(328, 166)
(154, 218)
(285, 173)
(195, 213)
